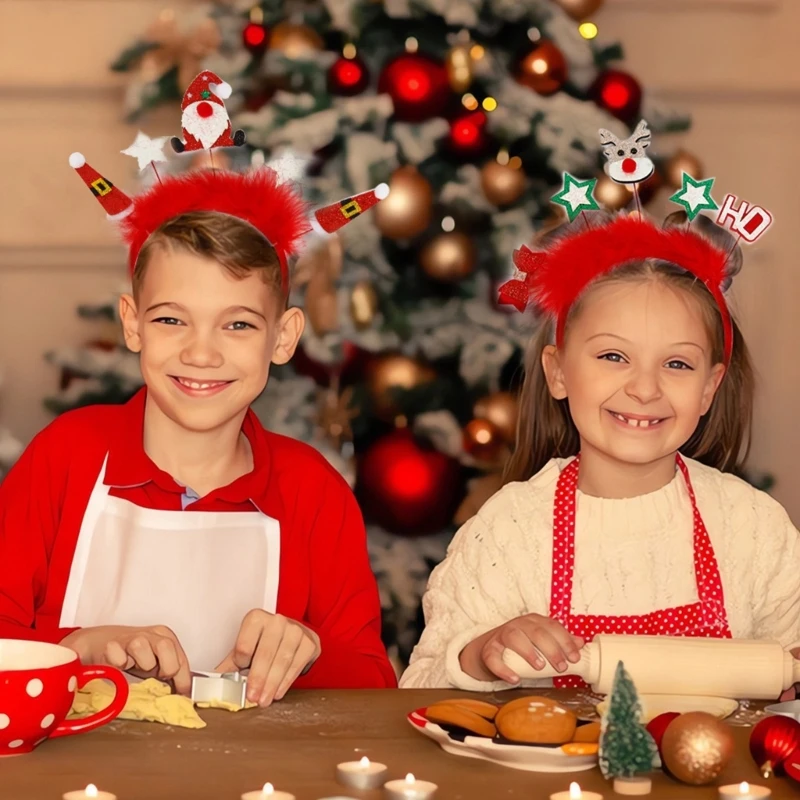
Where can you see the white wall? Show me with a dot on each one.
(730, 63)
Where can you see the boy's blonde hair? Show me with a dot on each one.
(545, 428)
(232, 242)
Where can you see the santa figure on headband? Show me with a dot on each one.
(205, 119)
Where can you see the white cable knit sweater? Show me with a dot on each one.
(632, 556)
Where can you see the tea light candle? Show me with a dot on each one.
(91, 792)
(743, 791)
(363, 774)
(269, 792)
(576, 793)
(409, 789)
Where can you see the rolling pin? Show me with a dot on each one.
(733, 668)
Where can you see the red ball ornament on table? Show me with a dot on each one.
(792, 765)
(772, 741)
(406, 487)
(658, 726)
(417, 85)
(348, 77)
(618, 93)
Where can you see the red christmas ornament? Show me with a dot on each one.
(792, 765)
(658, 725)
(406, 487)
(417, 85)
(348, 370)
(348, 77)
(255, 37)
(468, 134)
(772, 742)
(618, 93)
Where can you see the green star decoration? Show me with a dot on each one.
(576, 196)
(205, 94)
(695, 196)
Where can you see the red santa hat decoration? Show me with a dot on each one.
(258, 197)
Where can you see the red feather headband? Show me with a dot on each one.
(555, 278)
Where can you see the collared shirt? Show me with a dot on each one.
(325, 578)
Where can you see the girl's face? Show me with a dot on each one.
(636, 370)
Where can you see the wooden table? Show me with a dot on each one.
(296, 745)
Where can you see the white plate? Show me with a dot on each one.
(525, 757)
(655, 704)
(789, 709)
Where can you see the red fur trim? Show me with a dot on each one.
(557, 277)
(275, 209)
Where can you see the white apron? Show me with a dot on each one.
(197, 572)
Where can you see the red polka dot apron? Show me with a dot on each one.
(706, 617)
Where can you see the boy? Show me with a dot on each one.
(174, 533)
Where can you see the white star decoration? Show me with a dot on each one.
(147, 150)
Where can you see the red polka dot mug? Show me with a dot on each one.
(37, 687)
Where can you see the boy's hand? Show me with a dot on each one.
(153, 651)
(532, 636)
(276, 650)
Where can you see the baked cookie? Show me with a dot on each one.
(445, 714)
(590, 732)
(536, 720)
(479, 707)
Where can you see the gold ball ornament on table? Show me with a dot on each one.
(580, 9)
(391, 371)
(502, 182)
(681, 162)
(610, 194)
(406, 212)
(696, 747)
(295, 39)
(364, 304)
(543, 68)
(502, 410)
(448, 257)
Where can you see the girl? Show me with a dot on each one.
(620, 514)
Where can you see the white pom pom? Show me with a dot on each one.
(223, 90)
(382, 191)
(76, 160)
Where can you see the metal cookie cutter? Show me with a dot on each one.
(227, 687)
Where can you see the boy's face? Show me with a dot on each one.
(636, 369)
(206, 338)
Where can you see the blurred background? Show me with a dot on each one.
(471, 110)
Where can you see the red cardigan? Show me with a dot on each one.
(325, 577)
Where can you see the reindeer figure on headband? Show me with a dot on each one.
(627, 161)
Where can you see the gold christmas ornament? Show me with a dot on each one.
(459, 67)
(448, 257)
(483, 441)
(681, 162)
(363, 304)
(322, 304)
(336, 411)
(696, 747)
(406, 212)
(580, 9)
(502, 184)
(610, 194)
(502, 410)
(543, 69)
(294, 40)
(391, 371)
(325, 257)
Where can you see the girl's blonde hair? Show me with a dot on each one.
(545, 428)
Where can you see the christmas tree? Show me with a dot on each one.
(471, 110)
(626, 748)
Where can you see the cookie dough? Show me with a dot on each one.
(224, 705)
(149, 700)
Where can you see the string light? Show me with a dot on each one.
(448, 224)
(588, 30)
(515, 163)
(477, 51)
(349, 51)
(502, 157)
(469, 102)
(539, 66)
(257, 15)
(534, 34)
(412, 45)
(489, 104)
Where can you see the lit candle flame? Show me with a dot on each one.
(268, 789)
(574, 791)
(744, 787)
(364, 762)
(91, 790)
(410, 779)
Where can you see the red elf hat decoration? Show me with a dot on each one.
(115, 202)
(330, 218)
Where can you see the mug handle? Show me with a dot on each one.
(86, 674)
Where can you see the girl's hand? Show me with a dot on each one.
(276, 650)
(148, 652)
(532, 636)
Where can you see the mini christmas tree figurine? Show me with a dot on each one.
(626, 748)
